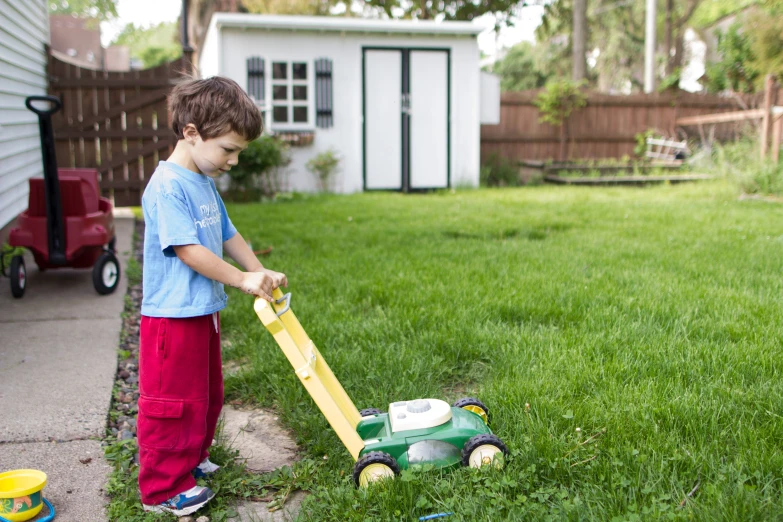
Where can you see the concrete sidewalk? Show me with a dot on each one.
(58, 361)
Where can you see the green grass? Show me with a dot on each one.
(626, 341)
(641, 326)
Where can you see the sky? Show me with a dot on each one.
(149, 12)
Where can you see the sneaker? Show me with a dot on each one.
(185, 503)
(205, 469)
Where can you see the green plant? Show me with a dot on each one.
(260, 169)
(323, 166)
(640, 149)
(498, 171)
(739, 162)
(556, 102)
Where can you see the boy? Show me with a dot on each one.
(187, 231)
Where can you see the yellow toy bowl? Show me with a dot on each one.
(21, 494)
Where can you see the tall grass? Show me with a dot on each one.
(627, 342)
(740, 163)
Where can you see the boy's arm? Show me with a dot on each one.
(237, 249)
(203, 261)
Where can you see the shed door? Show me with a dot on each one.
(383, 124)
(429, 120)
(406, 119)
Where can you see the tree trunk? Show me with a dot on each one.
(579, 43)
(668, 37)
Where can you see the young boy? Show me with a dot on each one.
(187, 231)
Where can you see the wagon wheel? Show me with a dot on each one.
(18, 275)
(106, 273)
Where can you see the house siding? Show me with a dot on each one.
(24, 30)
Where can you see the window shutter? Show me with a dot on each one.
(255, 78)
(323, 93)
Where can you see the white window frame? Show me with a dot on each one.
(289, 82)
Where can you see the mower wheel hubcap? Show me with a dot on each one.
(485, 455)
(478, 410)
(373, 473)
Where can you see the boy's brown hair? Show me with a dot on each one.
(216, 106)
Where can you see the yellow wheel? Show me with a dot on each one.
(484, 450)
(373, 467)
(474, 405)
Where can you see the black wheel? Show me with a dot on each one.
(373, 467)
(18, 275)
(106, 273)
(474, 405)
(366, 412)
(482, 450)
(113, 244)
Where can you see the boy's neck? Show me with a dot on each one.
(181, 156)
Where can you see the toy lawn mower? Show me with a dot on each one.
(67, 223)
(413, 433)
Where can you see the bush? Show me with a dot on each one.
(260, 170)
(739, 162)
(324, 166)
(498, 172)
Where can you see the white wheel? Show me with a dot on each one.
(18, 274)
(485, 455)
(106, 273)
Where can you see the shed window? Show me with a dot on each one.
(255, 78)
(290, 93)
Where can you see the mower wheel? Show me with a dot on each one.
(106, 273)
(367, 412)
(482, 450)
(18, 275)
(474, 405)
(373, 467)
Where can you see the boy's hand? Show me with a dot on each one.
(258, 283)
(278, 277)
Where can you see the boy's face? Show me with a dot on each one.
(217, 155)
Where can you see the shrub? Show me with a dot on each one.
(498, 172)
(739, 162)
(260, 170)
(324, 166)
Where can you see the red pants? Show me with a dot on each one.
(181, 395)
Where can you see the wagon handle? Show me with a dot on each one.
(55, 101)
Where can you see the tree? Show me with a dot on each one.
(518, 70)
(100, 10)
(735, 70)
(302, 7)
(153, 45)
(448, 9)
(579, 39)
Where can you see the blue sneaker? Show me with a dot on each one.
(185, 503)
(205, 469)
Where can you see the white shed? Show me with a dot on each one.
(24, 32)
(398, 100)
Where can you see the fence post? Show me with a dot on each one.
(765, 123)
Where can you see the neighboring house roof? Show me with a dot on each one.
(344, 24)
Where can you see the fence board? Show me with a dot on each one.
(116, 122)
(605, 128)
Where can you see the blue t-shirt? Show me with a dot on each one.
(181, 207)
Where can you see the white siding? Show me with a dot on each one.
(24, 29)
(234, 46)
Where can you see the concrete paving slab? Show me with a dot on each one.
(58, 354)
(76, 475)
(262, 443)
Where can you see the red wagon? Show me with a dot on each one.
(67, 223)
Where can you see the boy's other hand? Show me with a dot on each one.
(278, 277)
(258, 283)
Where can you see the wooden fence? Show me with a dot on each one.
(605, 128)
(116, 122)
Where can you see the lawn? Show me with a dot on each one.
(626, 340)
